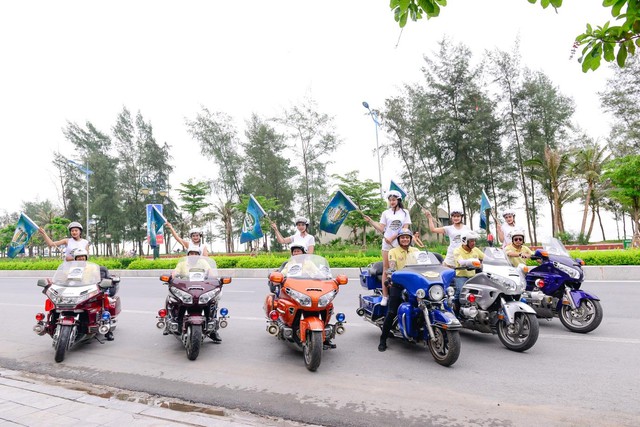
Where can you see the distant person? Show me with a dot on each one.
(416, 240)
(506, 229)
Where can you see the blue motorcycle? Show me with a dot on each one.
(424, 317)
(553, 289)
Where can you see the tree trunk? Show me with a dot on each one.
(587, 201)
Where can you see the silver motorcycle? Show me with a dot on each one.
(490, 303)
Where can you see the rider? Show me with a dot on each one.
(397, 260)
(301, 236)
(517, 251)
(466, 256)
(72, 244)
(505, 230)
(195, 239)
(453, 232)
(392, 221)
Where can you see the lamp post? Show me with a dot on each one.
(95, 219)
(374, 117)
(153, 188)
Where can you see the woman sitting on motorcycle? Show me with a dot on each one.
(195, 236)
(517, 251)
(453, 232)
(72, 244)
(505, 230)
(466, 257)
(397, 261)
(300, 237)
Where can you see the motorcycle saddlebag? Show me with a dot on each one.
(371, 277)
(371, 305)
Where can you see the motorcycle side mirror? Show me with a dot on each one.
(225, 280)
(106, 284)
(165, 279)
(42, 283)
(276, 277)
(542, 254)
(342, 279)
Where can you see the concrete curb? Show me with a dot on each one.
(604, 272)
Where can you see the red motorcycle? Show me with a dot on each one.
(78, 307)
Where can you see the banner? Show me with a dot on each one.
(484, 207)
(155, 221)
(336, 212)
(24, 230)
(394, 186)
(251, 229)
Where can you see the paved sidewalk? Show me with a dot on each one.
(32, 400)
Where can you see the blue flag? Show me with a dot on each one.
(24, 230)
(155, 221)
(336, 212)
(394, 186)
(251, 229)
(484, 206)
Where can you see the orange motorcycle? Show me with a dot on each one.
(300, 306)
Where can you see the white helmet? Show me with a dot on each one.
(301, 219)
(458, 211)
(394, 193)
(509, 212)
(195, 231)
(74, 224)
(80, 252)
(469, 235)
(194, 248)
(517, 232)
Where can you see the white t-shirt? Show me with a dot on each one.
(306, 240)
(455, 241)
(507, 230)
(393, 223)
(73, 244)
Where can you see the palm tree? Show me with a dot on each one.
(588, 166)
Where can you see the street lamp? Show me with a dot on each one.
(374, 117)
(153, 188)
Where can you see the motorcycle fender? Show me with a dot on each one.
(67, 320)
(578, 295)
(310, 324)
(441, 318)
(511, 308)
(194, 320)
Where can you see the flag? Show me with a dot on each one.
(24, 230)
(155, 221)
(394, 186)
(251, 229)
(84, 169)
(336, 212)
(484, 206)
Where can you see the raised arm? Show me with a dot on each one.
(180, 240)
(48, 240)
(379, 227)
(279, 238)
(432, 226)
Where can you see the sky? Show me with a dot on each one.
(79, 61)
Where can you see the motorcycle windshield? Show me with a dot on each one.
(422, 258)
(496, 256)
(77, 273)
(195, 268)
(307, 266)
(555, 247)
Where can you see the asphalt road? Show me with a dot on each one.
(565, 379)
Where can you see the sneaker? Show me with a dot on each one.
(215, 337)
(327, 344)
(382, 346)
(384, 302)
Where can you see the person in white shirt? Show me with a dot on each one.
(72, 243)
(453, 232)
(505, 231)
(301, 236)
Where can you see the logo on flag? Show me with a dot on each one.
(484, 207)
(251, 229)
(155, 221)
(394, 186)
(336, 212)
(24, 230)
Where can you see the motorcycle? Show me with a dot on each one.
(424, 316)
(300, 305)
(78, 307)
(191, 307)
(553, 289)
(490, 303)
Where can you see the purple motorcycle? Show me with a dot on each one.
(553, 289)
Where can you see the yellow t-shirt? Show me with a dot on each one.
(517, 260)
(461, 253)
(399, 255)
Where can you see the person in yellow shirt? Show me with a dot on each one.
(517, 251)
(466, 256)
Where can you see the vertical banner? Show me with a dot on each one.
(394, 186)
(251, 229)
(485, 205)
(24, 230)
(155, 221)
(336, 212)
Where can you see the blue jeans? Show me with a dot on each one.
(459, 283)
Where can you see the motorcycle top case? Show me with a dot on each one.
(369, 276)
(371, 304)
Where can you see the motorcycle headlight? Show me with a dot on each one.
(572, 272)
(299, 297)
(420, 293)
(70, 299)
(436, 293)
(183, 296)
(451, 291)
(208, 296)
(503, 281)
(326, 299)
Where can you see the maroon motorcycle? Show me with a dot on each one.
(78, 306)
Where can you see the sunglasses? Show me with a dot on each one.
(518, 239)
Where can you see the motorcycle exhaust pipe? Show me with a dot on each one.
(469, 311)
(340, 329)
(39, 329)
(103, 329)
(161, 325)
(273, 329)
(223, 323)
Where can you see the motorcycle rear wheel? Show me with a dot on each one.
(63, 342)
(522, 334)
(583, 319)
(194, 342)
(445, 348)
(312, 350)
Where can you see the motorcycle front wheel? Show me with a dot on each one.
(445, 346)
(63, 342)
(312, 350)
(584, 318)
(522, 334)
(194, 341)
